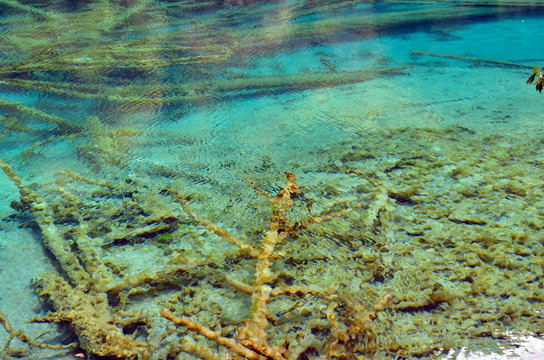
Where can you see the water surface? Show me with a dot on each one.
(144, 144)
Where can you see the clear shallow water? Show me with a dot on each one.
(436, 158)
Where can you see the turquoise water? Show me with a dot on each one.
(145, 145)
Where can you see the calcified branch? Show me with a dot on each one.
(52, 237)
(64, 126)
(210, 334)
(254, 335)
(91, 318)
(22, 337)
(212, 227)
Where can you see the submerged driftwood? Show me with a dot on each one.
(216, 88)
(475, 61)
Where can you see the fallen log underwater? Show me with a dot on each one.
(476, 61)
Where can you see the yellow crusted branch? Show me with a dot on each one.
(21, 336)
(64, 126)
(212, 227)
(52, 238)
(92, 319)
(210, 334)
(142, 277)
(254, 335)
